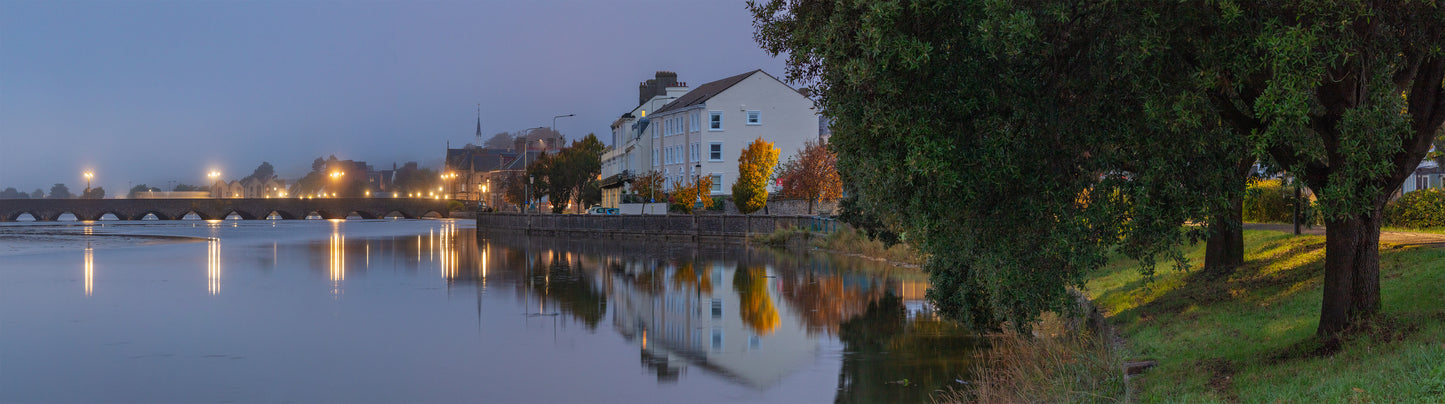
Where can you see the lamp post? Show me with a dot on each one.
(527, 187)
(335, 176)
(697, 187)
(88, 175)
(214, 175)
(553, 128)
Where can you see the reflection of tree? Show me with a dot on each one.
(686, 276)
(755, 306)
(883, 347)
(572, 289)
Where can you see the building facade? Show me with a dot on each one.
(631, 143)
(702, 133)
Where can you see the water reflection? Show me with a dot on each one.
(89, 268)
(338, 257)
(766, 326)
(213, 266)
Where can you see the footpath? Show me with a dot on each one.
(1393, 237)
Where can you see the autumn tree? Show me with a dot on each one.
(755, 167)
(755, 306)
(648, 186)
(811, 174)
(697, 189)
(135, 190)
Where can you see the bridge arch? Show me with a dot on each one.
(400, 213)
(284, 214)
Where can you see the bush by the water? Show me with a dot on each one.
(1419, 209)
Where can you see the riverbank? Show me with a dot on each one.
(845, 241)
(1250, 337)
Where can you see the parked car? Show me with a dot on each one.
(598, 210)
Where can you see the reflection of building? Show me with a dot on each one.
(669, 309)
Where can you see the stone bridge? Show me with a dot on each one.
(211, 209)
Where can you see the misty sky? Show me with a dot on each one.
(155, 91)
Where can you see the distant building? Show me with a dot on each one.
(1428, 175)
(479, 170)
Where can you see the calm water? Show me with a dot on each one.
(433, 311)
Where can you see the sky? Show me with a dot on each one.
(151, 92)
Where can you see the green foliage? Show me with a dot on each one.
(93, 193)
(1418, 209)
(139, 189)
(1272, 201)
(755, 166)
(189, 188)
(60, 191)
(852, 212)
(566, 174)
(1022, 141)
(37, 194)
(12, 193)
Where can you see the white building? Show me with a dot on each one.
(630, 136)
(702, 132)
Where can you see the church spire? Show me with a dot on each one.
(479, 124)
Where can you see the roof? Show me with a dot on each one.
(705, 92)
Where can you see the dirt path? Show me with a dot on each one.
(1392, 237)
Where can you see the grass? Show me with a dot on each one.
(852, 241)
(1431, 230)
(1250, 337)
(1060, 362)
(781, 237)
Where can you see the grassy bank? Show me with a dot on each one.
(846, 241)
(1250, 337)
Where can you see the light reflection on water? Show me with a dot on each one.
(711, 323)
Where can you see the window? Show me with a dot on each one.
(694, 152)
(714, 152)
(717, 339)
(654, 156)
(716, 308)
(714, 120)
(717, 183)
(654, 131)
(696, 119)
(755, 117)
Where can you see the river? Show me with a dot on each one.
(436, 311)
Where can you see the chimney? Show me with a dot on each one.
(655, 86)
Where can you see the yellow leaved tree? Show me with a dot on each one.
(755, 167)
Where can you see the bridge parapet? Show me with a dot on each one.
(210, 209)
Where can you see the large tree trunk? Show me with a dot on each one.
(1224, 250)
(1352, 273)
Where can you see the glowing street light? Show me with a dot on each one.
(88, 175)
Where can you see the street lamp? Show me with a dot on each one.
(697, 187)
(526, 187)
(558, 145)
(214, 175)
(88, 175)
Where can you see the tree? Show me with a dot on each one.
(60, 191)
(755, 306)
(1343, 94)
(263, 172)
(139, 189)
(566, 174)
(189, 188)
(811, 174)
(502, 140)
(12, 193)
(755, 167)
(1347, 96)
(37, 194)
(685, 194)
(648, 186)
(93, 193)
(513, 188)
(1025, 123)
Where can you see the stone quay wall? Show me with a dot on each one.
(670, 227)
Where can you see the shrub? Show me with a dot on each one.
(1268, 201)
(1419, 209)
